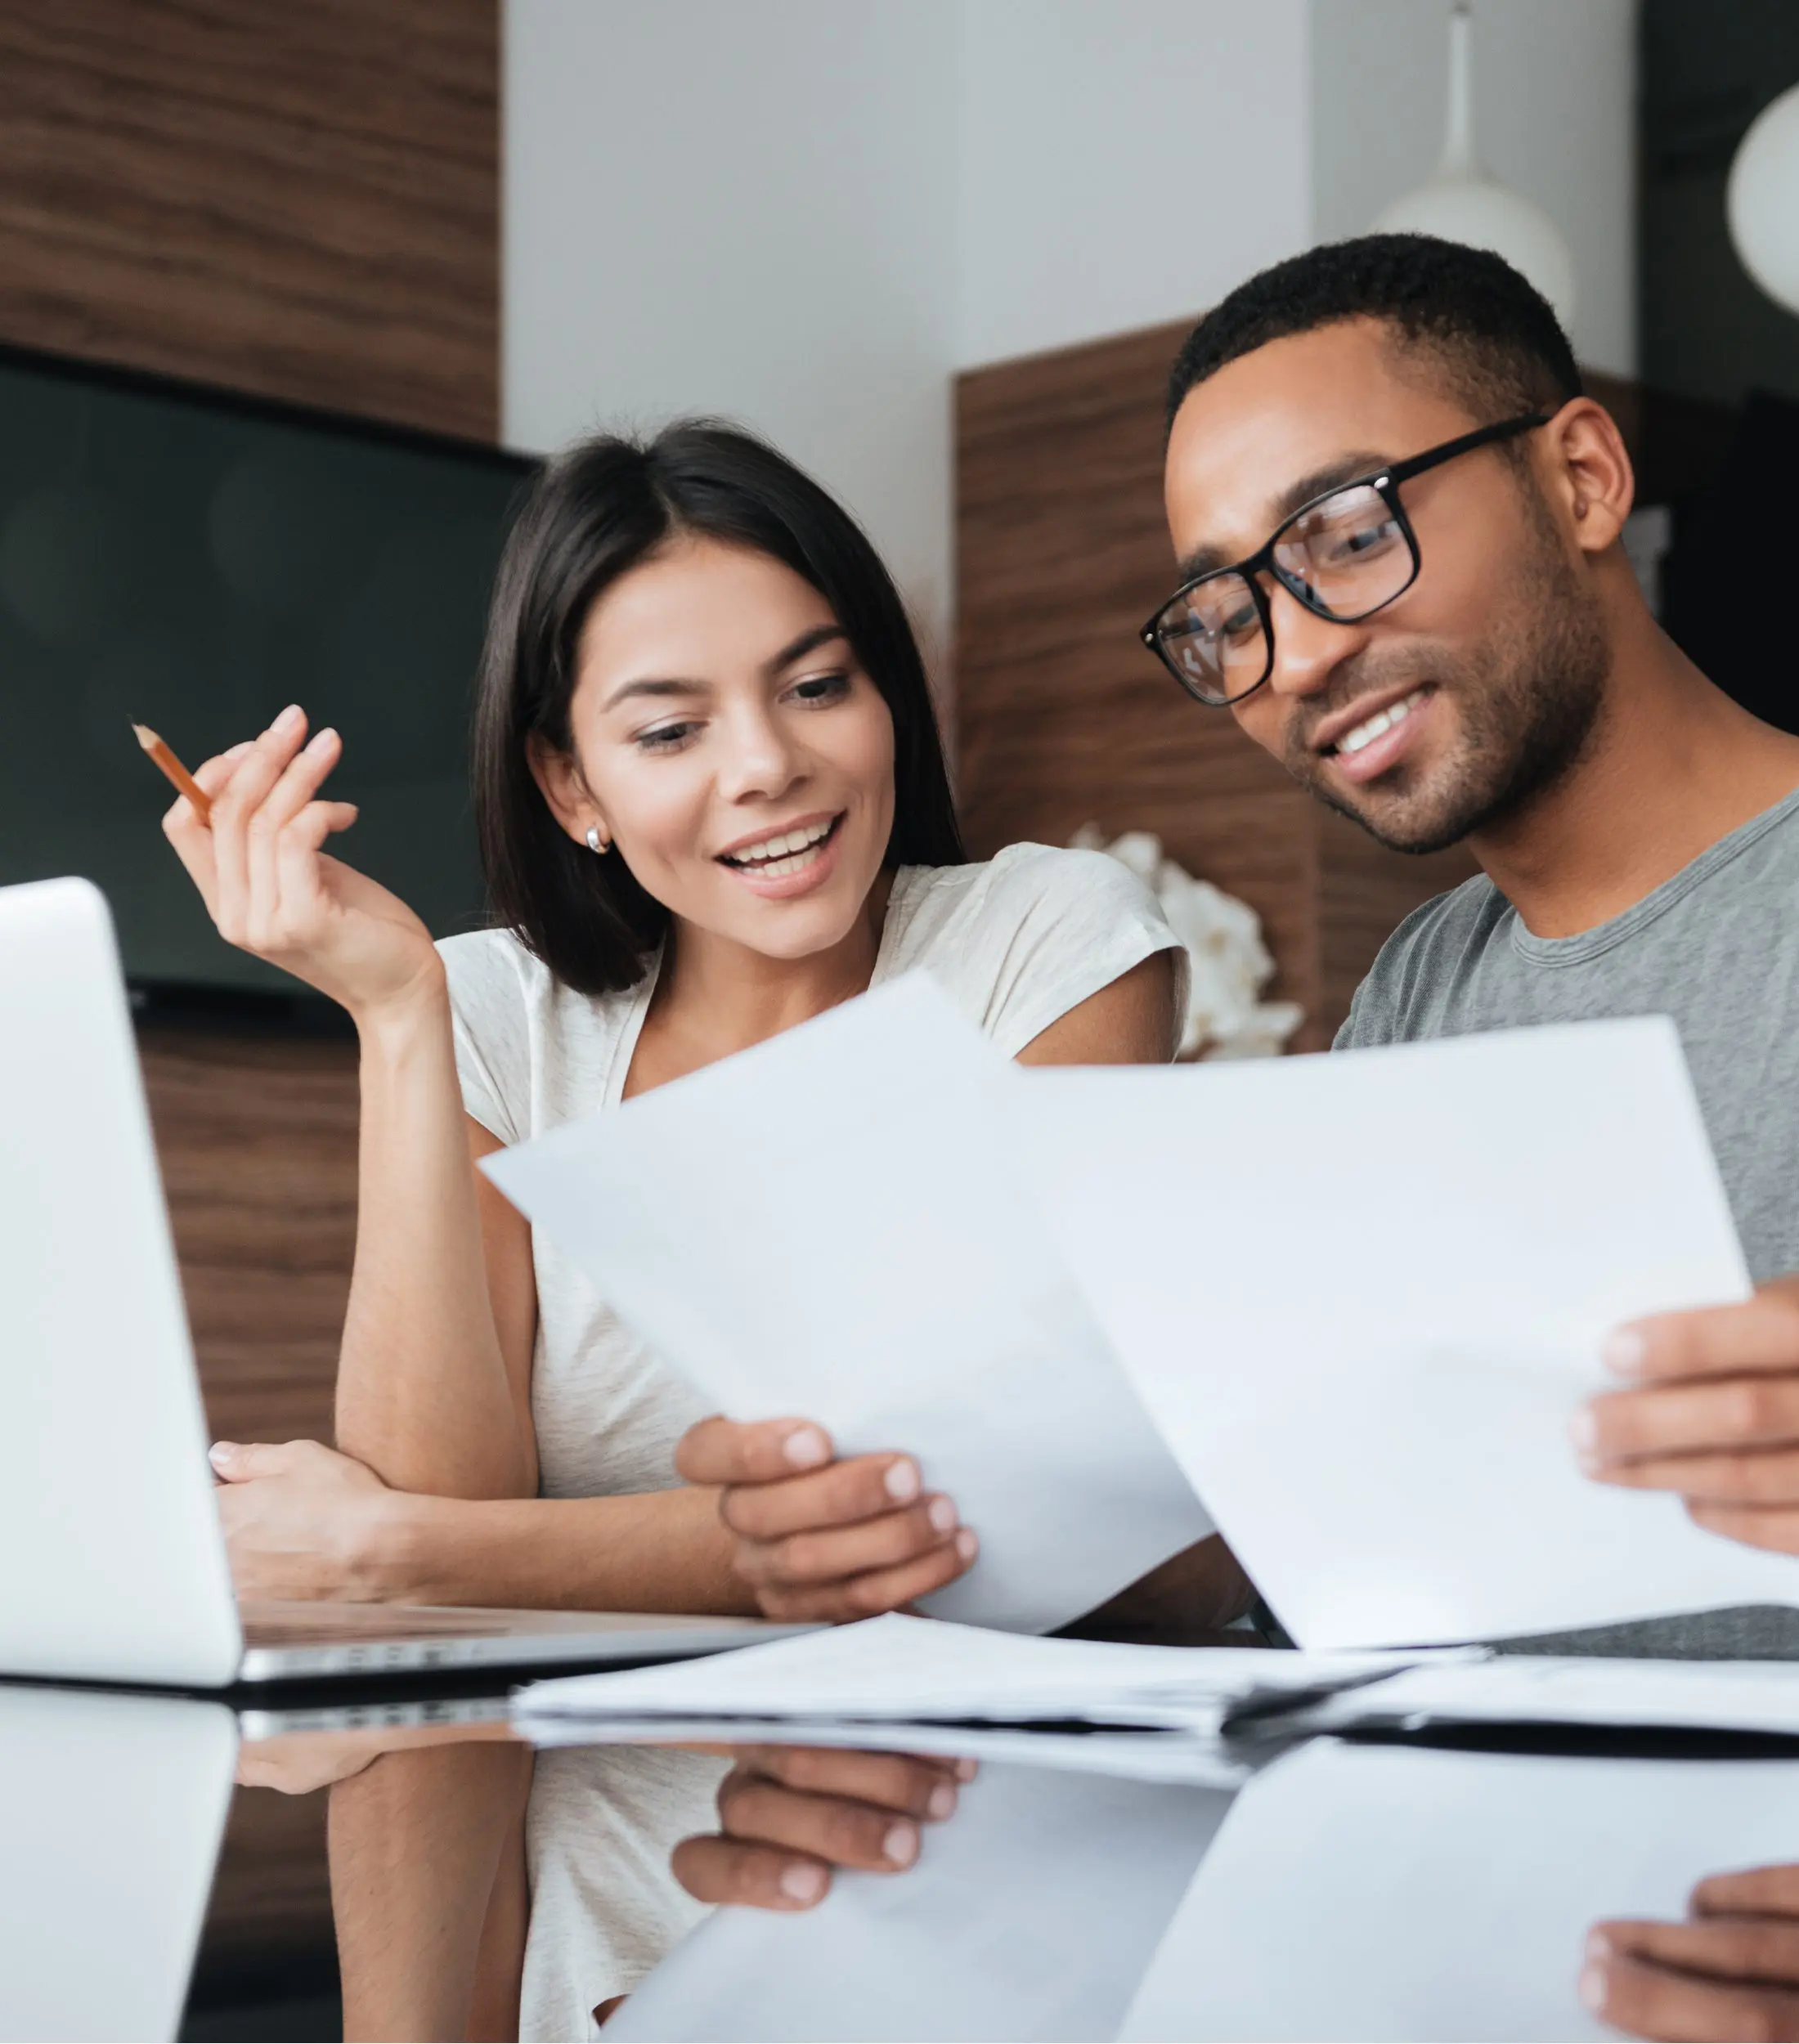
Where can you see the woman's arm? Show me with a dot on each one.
(434, 1389)
(426, 1397)
(426, 1880)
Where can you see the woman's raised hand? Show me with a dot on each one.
(272, 889)
(819, 1538)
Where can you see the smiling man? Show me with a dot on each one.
(1399, 521)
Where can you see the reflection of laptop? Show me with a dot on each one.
(115, 1566)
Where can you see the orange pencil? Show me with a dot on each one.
(176, 772)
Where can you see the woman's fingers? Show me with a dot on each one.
(721, 1452)
(192, 839)
(720, 1870)
(919, 1784)
(255, 774)
(789, 1814)
(296, 786)
(864, 1487)
(830, 1554)
(867, 1596)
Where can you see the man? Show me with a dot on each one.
(1461, 654)
(1458, 652)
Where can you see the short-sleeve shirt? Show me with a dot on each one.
(1016, 943)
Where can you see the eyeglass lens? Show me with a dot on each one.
(1342, 558)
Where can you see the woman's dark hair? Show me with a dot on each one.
(596, 512)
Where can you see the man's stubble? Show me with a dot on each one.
(1529, 699)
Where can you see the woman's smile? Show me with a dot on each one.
(790, 861)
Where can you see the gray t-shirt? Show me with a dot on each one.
(1717, 948)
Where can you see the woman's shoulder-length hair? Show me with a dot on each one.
(595, 513)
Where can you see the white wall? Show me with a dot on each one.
(808, 214)
(1554, 118)
(1124, 163)
(744, 207)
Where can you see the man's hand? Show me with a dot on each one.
(787, 1815)
(819, 1538)
(1731, 1970)
(1712, 1411)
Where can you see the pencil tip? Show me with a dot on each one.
(145, 737)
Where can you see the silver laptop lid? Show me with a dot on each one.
(115, 1566)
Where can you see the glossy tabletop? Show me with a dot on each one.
(168, 1863)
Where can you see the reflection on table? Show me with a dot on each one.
(1349, 1888)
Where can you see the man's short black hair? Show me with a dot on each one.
(1488, 333)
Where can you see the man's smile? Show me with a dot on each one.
(1363, 741)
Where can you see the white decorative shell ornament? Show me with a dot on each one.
(1225, 1015)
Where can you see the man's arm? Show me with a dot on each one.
(1709, 1407)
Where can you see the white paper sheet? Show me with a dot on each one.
(902, 1668)
(1697, 1696)
(1031, 1914)
(1370, 1892)
(830, 1226)
(1363, 1295)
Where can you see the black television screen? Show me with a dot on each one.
(195, 561)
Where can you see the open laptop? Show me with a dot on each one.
(114, 1565)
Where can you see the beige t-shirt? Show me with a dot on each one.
(1016, 943)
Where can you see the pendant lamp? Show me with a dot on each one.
(1463, 203)
(1761, 201)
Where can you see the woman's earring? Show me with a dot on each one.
(595, 843)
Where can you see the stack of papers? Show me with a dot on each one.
(933, 1687)
(871, 1678)
(1751, 1696)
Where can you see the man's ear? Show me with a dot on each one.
(1593, 480)
(560, 782)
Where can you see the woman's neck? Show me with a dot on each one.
(713, 997)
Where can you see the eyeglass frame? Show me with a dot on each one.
(1386, 482)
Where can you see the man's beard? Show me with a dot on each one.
(1528, 699)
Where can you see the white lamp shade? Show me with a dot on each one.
(1761, 202)
(1485, 215)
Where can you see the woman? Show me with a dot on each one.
(712, 803)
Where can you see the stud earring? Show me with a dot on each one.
(594, 842)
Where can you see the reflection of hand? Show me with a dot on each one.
(302, 1521)
(788, 1814)
(820, 1539)
(1713, 1412)
(297, 1763)
(1731, 1970)
(273, 891)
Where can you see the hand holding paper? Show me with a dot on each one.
(911, 1298)
(1363, 1294)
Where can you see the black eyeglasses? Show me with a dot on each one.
(1345, 555)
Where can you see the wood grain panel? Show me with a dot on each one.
(295, 198)
(1064, 719)
(272, 1888)
(256, 1140)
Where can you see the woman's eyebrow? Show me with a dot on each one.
(675, 685)
(806, 642)
(655, 685)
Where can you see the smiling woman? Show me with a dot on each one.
(712, 803)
